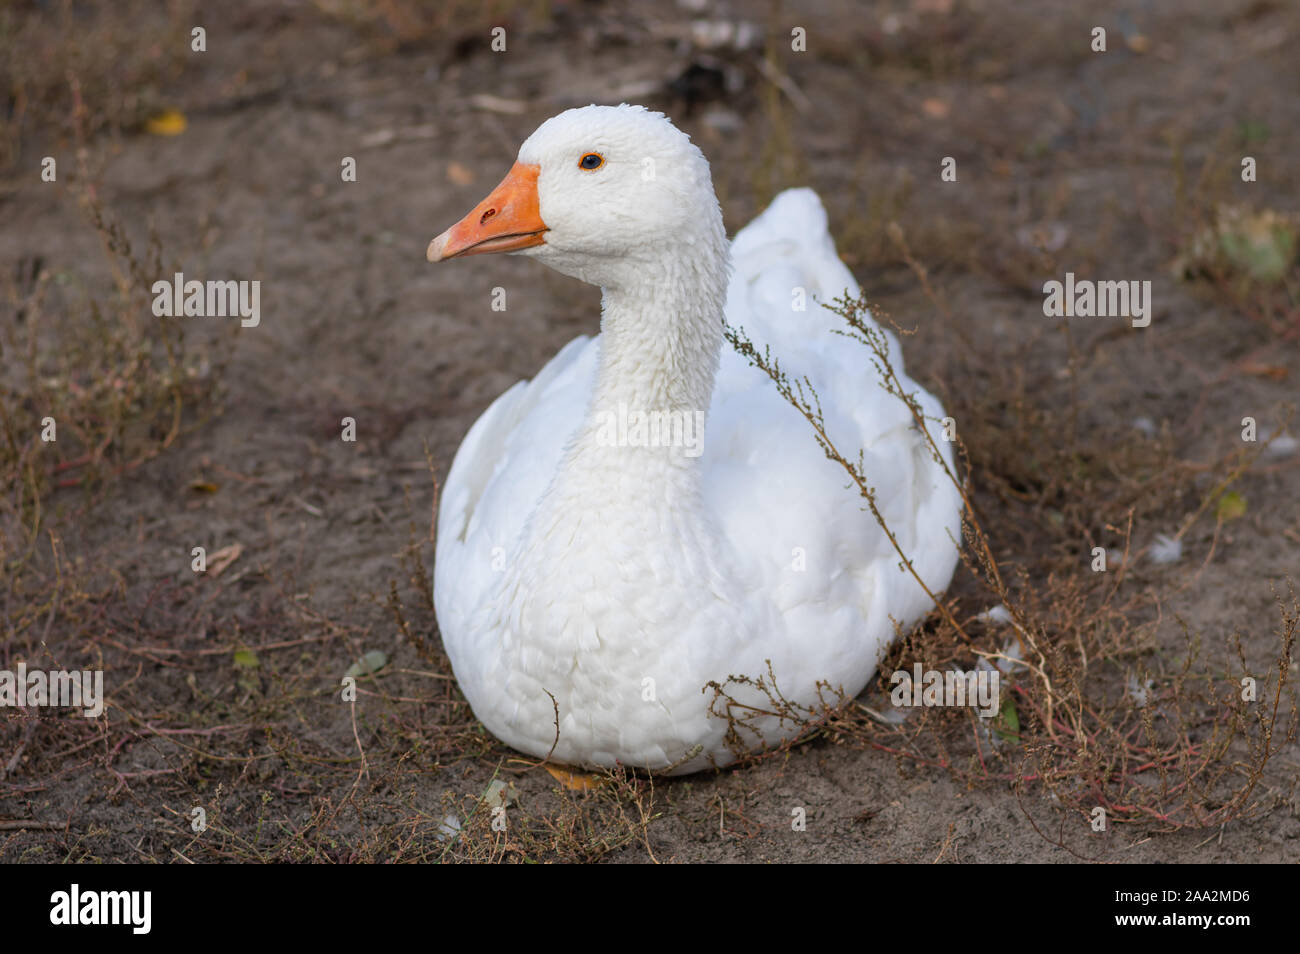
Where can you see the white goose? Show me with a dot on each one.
(585, 567)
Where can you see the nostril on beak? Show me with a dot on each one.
(487, 215)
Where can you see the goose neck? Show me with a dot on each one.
(660, 342)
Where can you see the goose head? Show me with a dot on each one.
(611, 195)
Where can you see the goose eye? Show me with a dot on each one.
(592, 160)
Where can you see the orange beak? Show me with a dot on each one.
(506, 221)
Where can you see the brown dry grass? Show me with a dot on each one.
(245, 721)
(1178, 744)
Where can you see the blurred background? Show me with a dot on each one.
(1117, 164)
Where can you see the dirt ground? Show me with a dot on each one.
(223, 687)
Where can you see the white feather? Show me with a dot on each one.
(1166, 549)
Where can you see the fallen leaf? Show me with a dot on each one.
(372, 661)
(499, 794)
(170, 122)
(1231, 506)
(1010, 719)
(1251, 130)
(223, 558)
(1263, 246)
(574, 780)
(246, 665)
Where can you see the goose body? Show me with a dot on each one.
(592, 571)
